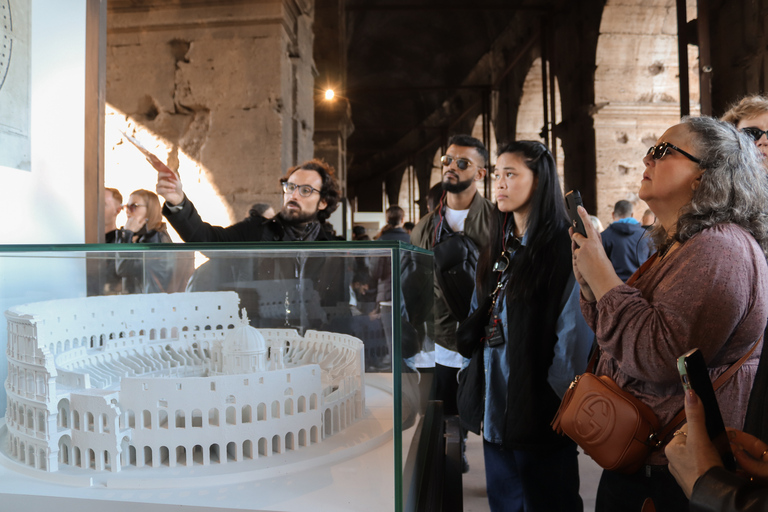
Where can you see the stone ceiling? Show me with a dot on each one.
(405, 60)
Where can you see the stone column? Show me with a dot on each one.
(223, 92)
(637, 95)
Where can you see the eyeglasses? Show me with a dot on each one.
(462, 163)
(659, 151)
(132, 207)
(754, 132)
(304, 190)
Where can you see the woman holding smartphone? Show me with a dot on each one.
(537, 339)
(706, 287)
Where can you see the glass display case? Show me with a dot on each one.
(258, 376)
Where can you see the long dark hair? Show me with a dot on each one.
(546, 220)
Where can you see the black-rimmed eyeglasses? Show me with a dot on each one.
(462, 163)
(304, 190)
(754, 132)
(660, 150)
(132, 207)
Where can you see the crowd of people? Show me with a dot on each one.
(692, 273)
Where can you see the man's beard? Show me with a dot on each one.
(297, 217)
(459, 186)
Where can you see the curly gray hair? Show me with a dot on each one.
(733, 189)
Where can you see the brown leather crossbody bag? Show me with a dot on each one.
(611, 425)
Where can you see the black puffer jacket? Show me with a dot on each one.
(530, 338)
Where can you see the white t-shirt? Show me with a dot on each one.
(456, 218)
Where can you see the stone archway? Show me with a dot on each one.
(530, 115)
(637, 93)
(477, 132)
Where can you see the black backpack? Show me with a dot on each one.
(455, 265)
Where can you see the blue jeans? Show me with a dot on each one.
(532, 481)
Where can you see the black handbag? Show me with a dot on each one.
(455, 265)
(471, 331)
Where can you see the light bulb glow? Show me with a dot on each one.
(329, 94)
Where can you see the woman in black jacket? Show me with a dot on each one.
(536, 340)
(150, 272)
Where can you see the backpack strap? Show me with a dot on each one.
(441, 224)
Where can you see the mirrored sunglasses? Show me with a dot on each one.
(462, 163)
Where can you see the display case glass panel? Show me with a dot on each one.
(260, 376)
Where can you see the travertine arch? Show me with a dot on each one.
(530, 115)
(637, 93)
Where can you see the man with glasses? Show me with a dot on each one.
(310, 194)
(461, 210)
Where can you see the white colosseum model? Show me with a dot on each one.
(103, 383)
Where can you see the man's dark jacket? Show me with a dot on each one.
(192, 228)
(266, 282)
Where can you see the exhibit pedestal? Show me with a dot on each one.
(350, 471)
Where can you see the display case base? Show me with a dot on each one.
(351, 471)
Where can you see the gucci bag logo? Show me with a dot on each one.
(611, 425)
(595, 419)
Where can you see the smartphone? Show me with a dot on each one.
(694, 375)
(572, 203)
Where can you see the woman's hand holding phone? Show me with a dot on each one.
(690, 452)
(591, 266)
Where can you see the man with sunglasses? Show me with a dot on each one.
(461, 210)
(310, 194)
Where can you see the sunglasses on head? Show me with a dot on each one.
(660, 150)
(754, 132)
(132, 207)
(462, 163)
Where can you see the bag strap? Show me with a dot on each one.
(441, 226)
(727, 374)
(640, 271)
